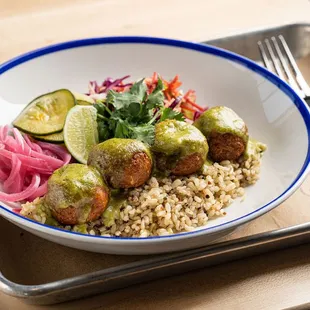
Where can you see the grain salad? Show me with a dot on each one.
(137, 159)
(170, 205)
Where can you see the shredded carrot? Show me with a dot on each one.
(189, 109)
(190, 101)
(189, 92)
(195, 104)
(171, 91)
(172, 87)
(154, 78)
(175, 83)
(168, 96)
(151, 82)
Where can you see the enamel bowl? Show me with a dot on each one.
(273, 112)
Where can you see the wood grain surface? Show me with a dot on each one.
(277, 280)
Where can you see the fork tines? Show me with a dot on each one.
(278, 58)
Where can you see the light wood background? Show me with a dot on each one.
(274, 281)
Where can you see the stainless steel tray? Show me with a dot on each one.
(120, 273)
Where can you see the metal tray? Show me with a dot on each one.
(121, 271)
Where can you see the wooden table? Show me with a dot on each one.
(274, 281)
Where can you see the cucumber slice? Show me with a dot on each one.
(57, 137)
(46, 114)
(82, 99)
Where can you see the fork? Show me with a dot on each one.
(283, 64)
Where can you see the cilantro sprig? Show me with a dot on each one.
(133, 114)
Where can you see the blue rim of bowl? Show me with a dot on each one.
(203, 48)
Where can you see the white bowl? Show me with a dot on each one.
(273, 111)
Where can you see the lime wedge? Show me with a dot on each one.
(82, 99)
(80, 131)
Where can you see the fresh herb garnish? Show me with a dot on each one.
(168, 113)
(133, 114)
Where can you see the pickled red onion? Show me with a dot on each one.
(30, 190)
(56, 149)
(26, 165)
(16, 164)
(3, 175)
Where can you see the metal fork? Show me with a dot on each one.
(283, 64)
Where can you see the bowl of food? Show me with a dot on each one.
(138, 145)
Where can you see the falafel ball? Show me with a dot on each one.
(76, 194)
(124, 163)
(226, 132)
(179, 147)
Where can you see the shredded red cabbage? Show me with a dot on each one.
(107, 85)
(196, 115)
(175, 102)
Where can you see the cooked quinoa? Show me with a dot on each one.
(169, 205)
